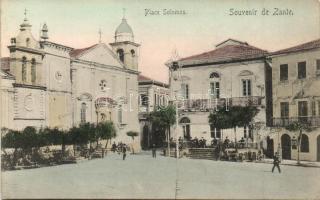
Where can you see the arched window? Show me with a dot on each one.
(214, 75)
(133, 53)
(304, 143)
(83, 112)
(24, 69)
(120, 53)
(33, 71)
(185, 120)
(27, 42)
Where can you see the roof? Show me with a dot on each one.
(236, 51)
(5, 63)
(144, 80)
(301, 47)
(124, 27)
(77, 52)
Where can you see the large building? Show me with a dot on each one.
(152, 94)
(296, 98)
(234, 73)
(46, 84)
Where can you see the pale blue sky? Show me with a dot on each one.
(76, 23)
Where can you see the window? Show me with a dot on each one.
(215, 132)
(215, 90)
(27, 42)
(33, 71)
(304, 143)
(284, 72)
(103, 85)
(120, 114)
(301, 70)
(214, 75)
(303, 111)
(185, 91)
(120, 54)
(318, 108)
(318, 64)
(284, 106)
(83, 113)
(246, 87)
(155, 100)
(143, 100)
(24, 69)
(133, 53)
(313, 108)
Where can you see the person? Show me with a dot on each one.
(154, 150)
(226, 142)
(276, 162)
(242, 142)
(114, 147)
(124, 151)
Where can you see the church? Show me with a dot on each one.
(47, 84)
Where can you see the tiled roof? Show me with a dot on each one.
(5, 63)
(146, 80)
(302, 47)
(228, 53)
(76, 52)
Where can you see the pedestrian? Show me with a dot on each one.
(154, 151)
(276, 162)
(124, 151)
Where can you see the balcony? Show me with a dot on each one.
(313, 121)
(209, 104)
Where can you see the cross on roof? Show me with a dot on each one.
(124, 13)
(100, 33)
(25, 13)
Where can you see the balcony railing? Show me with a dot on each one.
(209, 104)
(313, 121)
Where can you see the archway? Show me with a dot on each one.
(185, 124)
(270, 148)
(318, 148)
(286, 146)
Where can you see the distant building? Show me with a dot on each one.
(152, 94)
(296, 98)
(234, 73)
(46, 84)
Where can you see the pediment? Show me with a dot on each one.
(101, 54)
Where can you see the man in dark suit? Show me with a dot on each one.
(276, 162)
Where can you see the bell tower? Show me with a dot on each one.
(124, 45)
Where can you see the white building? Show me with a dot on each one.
(152, 94)
(49, 84)
(235, 72)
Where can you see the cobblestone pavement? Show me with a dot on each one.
(141, 176)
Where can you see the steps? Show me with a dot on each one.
(201, 153)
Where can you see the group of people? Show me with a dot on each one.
(198, 143)
(120, 148)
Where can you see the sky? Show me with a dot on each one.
(76, 23)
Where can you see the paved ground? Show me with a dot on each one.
(141, 176)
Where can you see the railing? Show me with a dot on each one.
(313, 121)
(208, 104)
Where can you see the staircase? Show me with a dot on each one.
(201, 153)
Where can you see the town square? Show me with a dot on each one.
(160, 100)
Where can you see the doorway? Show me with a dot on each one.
(286, 146)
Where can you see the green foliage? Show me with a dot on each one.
(13, 139)
(296, 126)
(236, 116)
(106, 130)
(164, 116)
(132, 134)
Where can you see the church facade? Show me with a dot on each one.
(46, 84)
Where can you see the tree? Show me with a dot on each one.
(299, 126)
(132, 134)
(106, 131)
(235, 116)
(164, 117)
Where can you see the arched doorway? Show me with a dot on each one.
(270, 148)
(286, 146)
(185, 124)
(318, 148)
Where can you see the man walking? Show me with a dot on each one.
(154, 150)
(124, 151)
(276, 162)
